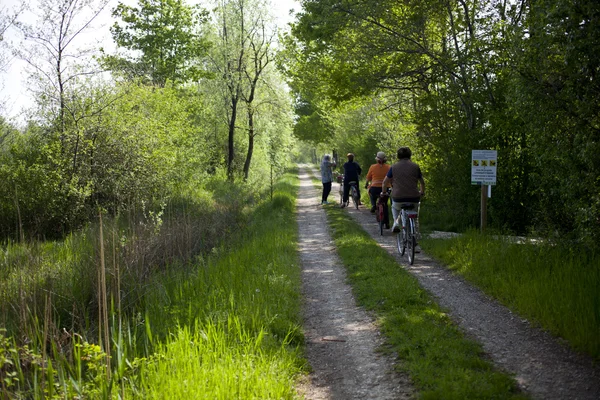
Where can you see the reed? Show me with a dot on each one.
(242, 295)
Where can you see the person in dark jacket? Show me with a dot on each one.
(351, 173)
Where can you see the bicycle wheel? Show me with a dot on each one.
(380, 218)
(401, 239)
(355, 196)
(411, 241)
(400, 243)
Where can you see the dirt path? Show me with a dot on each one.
(341, 339)
(543, 366)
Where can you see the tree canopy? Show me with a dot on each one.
(518, 77)
(164, 38)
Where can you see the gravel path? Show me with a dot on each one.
(341, 338)
(543, 366)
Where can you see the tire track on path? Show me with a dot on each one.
(543, 366)
(341, 338)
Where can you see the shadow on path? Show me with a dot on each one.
(543, 366)
(341, 338)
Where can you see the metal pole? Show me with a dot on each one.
(484, 193)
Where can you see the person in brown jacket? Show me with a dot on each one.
(404, 176)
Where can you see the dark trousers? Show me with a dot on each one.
(326, 191)
(374, 193)
(386, 210)
(347, 191)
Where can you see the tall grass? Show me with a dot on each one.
(218, 360)
(231, 326)
(556, 286)
(231, 313)
(137, 246)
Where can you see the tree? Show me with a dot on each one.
(430, 62)
(260, 49)
(241, 57)
(52, 53)
(555, 99)
(168, 38)
(8, 19)
(519, 77)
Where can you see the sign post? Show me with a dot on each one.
(483, 173)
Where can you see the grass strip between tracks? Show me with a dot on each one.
(440, 360)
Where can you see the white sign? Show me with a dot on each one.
(483, 167)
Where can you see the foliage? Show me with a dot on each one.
(245, 82)
(166, 35)
(457, 76)
(132, 156)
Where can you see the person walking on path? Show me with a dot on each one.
(375, 176)
(404, 177)
(351, 172)
(327, 166)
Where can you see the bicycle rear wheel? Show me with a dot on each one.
(401, 241)
(411, 241)
(355, 198)
(380, 218)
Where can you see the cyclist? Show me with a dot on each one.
(403, 177)
(351, 172)
(376, 175)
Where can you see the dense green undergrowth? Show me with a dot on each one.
(225, 323)
(440, 360)
(555, 286)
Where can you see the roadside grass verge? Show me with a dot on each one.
(232, 328)
(441, 362)
(219, 325)
(556, 287)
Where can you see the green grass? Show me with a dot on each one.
(219, 361)
(555, 286)
(224, 324)
(441, 362)
(232, 329)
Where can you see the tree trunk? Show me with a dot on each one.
(231, 144)
(250, 143)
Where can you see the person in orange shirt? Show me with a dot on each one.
(375, 176)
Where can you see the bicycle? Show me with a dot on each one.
(380, 214)
(354, 193)
(406, 239)
(340, 180)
